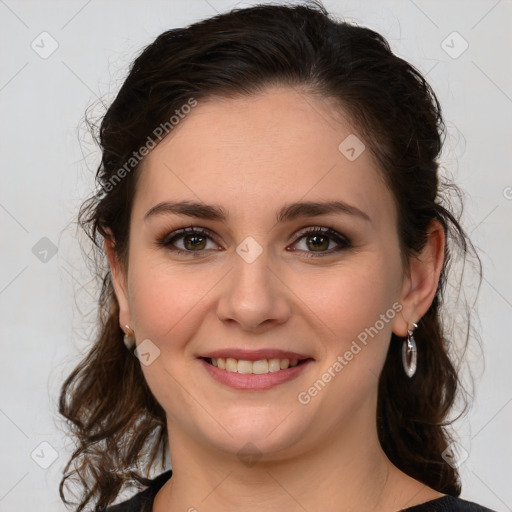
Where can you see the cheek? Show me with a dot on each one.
(357, 307)
(167, 299)
(350, 299)
(169, 305)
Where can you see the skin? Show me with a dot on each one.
(253, 155)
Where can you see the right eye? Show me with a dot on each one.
(194, 241)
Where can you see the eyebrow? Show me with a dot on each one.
(286, 213)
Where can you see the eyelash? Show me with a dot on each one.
(166, 240)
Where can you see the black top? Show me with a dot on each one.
(143, 501)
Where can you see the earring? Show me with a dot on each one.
(129, 338)
(410, 353)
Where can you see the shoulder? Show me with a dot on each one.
(448, 503)
(142, 501)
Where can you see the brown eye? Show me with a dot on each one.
(322, 241)
(317, 242)
(190, 241)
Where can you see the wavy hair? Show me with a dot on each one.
(119, 427)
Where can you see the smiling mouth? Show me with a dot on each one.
(259, 367)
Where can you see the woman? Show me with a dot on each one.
(269, 207)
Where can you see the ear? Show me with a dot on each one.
(422, 279)
(119, 281)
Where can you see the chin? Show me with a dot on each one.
(252, 434)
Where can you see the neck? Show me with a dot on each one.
(347, 471)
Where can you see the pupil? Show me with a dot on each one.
(197, 240)
(316, 243)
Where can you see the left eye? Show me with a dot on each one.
(318, 240)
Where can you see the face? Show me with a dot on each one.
(325, 285)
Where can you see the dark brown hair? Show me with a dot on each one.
(119, 427)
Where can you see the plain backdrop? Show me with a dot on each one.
(60, 57)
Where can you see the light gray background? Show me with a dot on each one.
(47, 302)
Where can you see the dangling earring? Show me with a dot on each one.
(129, 338)
(410, 353)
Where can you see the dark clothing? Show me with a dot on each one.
(143, 501)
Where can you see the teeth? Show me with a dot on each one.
(257, 367)
(231, 365)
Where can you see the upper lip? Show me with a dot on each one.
(254, 355)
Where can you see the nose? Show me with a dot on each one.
(253, 295)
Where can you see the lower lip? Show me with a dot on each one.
(254, 382)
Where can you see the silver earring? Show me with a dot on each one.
(129, 338)
(410, 353)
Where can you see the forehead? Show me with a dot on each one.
(254, 153)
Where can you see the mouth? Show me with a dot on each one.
(254, 367)
(255, 370)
